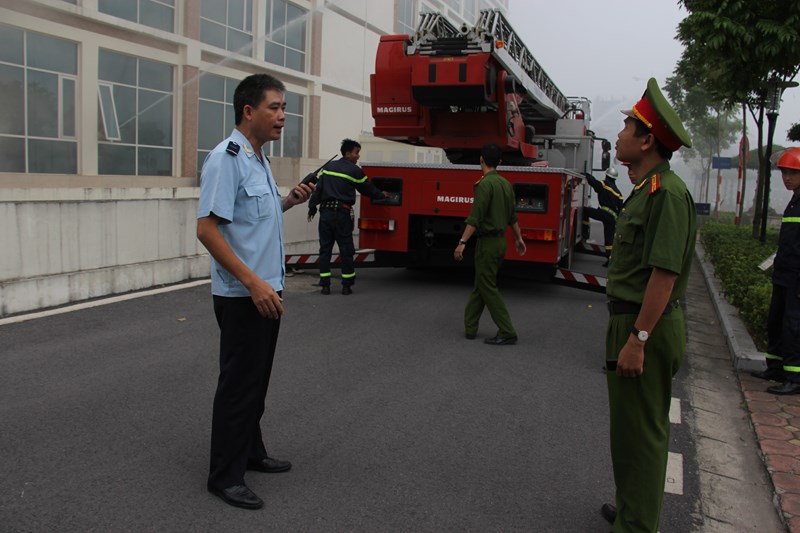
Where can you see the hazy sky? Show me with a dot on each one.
(608, 50)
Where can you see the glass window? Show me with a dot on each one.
(406, 17)
(135, 119)
(227, 24)
(286, 35)
(159, 14)
(291, 142)
(38, 87)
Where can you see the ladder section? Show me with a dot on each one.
(514, 56)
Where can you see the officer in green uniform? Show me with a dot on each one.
(645, 340)
(493, 209)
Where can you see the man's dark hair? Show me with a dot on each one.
(642, 130)
(491, 155)
(251, 91)
(348, 145)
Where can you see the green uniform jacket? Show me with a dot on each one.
(494, 206)
(656, 228)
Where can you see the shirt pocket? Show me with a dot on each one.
(259, 203)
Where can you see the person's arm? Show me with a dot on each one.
(298, 195)
(593, 183)
(518, 241)
(469, 231)
(315, 200)
(264, 296)
(630, 362)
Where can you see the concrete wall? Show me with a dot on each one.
(69, 244)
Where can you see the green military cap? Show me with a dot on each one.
(657, 114)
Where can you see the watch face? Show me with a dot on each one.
(643, 336)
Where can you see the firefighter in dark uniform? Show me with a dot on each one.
(610, 200)
(646, 339)
(335, 194)
(783, 327)
(493, 210)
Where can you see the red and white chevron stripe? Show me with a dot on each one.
(361, 256)
(594, 247)
(579, 277)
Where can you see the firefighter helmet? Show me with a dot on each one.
(612, 173)
(789, 158)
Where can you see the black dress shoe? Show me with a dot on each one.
(470, 336)
(326, 290)
(770, 374)
(609, 512)
(497, 340)
(347, 290)
(787, 387)
(239, 496)
(269, 465)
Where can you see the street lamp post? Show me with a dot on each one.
(775, 88)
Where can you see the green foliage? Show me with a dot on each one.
(794, 132)
(736, 256)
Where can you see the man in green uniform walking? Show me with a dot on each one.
(646, 339)
(493, 209)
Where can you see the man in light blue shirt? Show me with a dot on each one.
(240, 223)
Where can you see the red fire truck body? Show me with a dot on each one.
(458, 89)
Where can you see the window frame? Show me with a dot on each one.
(268, 9)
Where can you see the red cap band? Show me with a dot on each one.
(645, 112)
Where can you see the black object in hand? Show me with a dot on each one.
(311, 177)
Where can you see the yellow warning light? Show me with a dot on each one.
(499, 43)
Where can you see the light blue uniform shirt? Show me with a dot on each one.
(243, 194)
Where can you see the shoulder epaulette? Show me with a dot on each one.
(655, 183)
(233, 148)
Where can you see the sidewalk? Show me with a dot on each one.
(774, 419)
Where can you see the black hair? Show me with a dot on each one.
(251, 91)
(348, 145)
(642, 130)
(491, 155)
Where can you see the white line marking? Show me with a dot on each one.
(674, 481)
(98, 303)
(675, 411)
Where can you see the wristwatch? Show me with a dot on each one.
(641, 335)
(462, 241)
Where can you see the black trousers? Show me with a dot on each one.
(246, 351)
(783, 331)
(609, 223)
(336, 225)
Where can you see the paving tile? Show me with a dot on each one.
(757, 406)
(771, 419)
(793, 410)
(790, 503)
(780, 447)
(794, 524)
(762, 396)
(771, 432)
(786, 482)
(784, 463)
(792, 421)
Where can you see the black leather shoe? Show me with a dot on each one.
(326, 290)
(770, 374)
(238, 496)
(269, 465)
(470, 336)
(347, 290)
(497, 340)
(787, 387)
(609, 512)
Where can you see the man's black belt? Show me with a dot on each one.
(496, 233)
(334, 204)
(619, 307)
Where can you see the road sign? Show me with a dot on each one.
(721, 162)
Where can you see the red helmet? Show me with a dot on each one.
(789, 158)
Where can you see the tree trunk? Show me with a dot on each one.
(760, 178)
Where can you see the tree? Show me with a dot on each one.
(733, 48)
(794, 132)
(710, 125)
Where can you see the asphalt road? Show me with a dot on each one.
(393, 420)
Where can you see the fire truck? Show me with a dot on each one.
(458, 89)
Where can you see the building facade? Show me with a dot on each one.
(108, 108)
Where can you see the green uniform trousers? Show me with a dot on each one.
(640, 420)
(489, 253)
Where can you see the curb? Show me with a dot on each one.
(746, 356)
